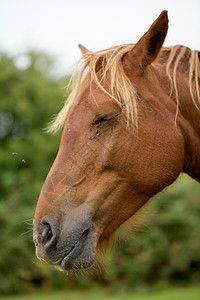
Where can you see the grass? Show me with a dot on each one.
(191, 293)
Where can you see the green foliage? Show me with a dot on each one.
(169, 247)
(28, 99)
(168, 250)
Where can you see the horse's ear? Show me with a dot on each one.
(83, 49)
(148, 47)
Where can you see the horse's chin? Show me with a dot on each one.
(67, 264)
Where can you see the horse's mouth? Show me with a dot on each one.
(81, 255)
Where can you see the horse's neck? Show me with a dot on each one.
(189, 118)
(188, 103)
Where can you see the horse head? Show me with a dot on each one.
(119, 147)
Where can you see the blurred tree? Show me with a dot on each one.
(29, 96)
(168, 248)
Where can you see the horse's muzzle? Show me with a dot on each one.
(70, 245)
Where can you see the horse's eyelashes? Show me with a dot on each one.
(105, 118)
(100, 120)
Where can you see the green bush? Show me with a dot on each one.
(28, 98)
(168, 249)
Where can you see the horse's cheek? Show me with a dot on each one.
(155, 166)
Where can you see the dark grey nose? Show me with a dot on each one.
(69, 243)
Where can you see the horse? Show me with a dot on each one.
(130, 126)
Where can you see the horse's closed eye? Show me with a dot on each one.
(105, 118)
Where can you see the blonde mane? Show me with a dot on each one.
(121, 89)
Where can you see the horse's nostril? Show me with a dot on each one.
(46, 233)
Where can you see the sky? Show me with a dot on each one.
(58, 26)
